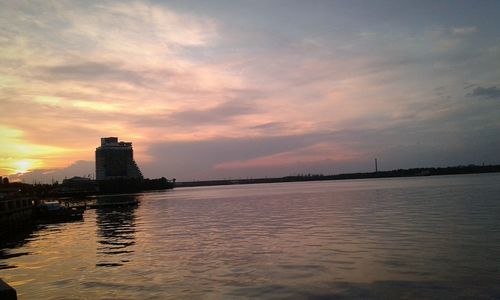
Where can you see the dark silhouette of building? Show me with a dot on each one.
(115, 160)
(76, 186)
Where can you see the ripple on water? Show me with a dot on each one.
(433, 238)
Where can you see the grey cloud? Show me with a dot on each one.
(464, 30)
(197, 158)
(468, 85)
(224, 149)
(489, 92)
(269, 126)
(90, 71)
(215, 115)
(224, 111)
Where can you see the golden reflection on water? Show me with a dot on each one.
(116, 234)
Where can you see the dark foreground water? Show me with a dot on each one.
(411, 238)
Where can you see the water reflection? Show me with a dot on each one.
(424, 238)
(21, 235)
(388, 289)
(15, 240)
(116, 227)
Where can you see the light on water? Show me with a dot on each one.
(428, 237)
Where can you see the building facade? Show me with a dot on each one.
(114, 159)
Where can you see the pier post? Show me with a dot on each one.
(7, 292)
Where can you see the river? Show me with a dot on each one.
(415, 238)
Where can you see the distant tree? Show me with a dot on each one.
(5, 180)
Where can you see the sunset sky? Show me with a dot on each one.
(237, 89)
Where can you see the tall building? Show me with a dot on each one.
(115, 159)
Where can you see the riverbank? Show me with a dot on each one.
(455, 170)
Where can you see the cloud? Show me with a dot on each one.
(319, 151)
(78, 168)
(464, 30)
(77, 104)
(91, 71)
(492, 92)
(154, 20)
(218, 114)
(269, 126)
(198, 158)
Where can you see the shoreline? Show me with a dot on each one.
(413, 172)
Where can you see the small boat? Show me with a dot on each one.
(113, 204)
(55, 211)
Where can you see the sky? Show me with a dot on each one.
(245, 89)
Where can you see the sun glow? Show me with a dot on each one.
(15, 166)
(26, 165)
(19, 156)
(23, 166)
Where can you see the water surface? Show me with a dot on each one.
(427, 237)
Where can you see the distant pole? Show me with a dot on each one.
(376, 166)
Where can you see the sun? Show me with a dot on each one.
(23, 166)
(19, 166)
